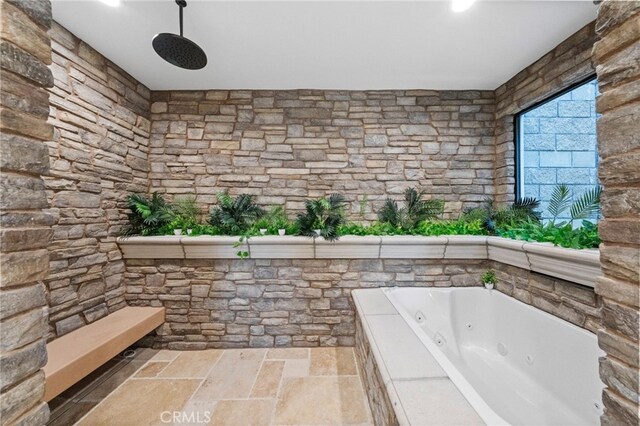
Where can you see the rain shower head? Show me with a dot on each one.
(179, 50)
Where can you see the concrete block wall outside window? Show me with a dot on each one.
(558, 145)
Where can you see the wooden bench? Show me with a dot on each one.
(75, 355)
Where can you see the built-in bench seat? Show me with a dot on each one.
(75, 355)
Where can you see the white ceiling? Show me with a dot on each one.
(329, 44)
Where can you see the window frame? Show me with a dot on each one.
(517, 131)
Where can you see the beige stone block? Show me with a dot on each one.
(412, 247)
(22, 267)
(160, 247)
(510, 252)
(233, 376)
(578, 266)
(332, 362)
(321, 401)
(192, 364)
(466, 247)
(268, 381)
(255, 412)
(132, 402)
(348, 247)
(151, 369)
(281, 247)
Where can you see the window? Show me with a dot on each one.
(557, 144)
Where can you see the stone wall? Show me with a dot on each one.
(262, 303)
(559, 146)
(567, 64)
(617, 56)
(294, 302)
(98, 156)
(372, 380)
(25, 225)
(572, 302)
(286, 146)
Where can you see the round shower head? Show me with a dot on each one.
(179, 50)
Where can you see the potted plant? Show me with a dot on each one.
(489, 279)
(322, 217)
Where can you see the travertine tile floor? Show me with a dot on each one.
(288, 386)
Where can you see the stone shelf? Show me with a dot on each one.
(579, 266)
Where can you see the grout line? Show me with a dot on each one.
(205, 378)
(255, 380)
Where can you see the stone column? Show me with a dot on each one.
(617, 59)
(25, 226)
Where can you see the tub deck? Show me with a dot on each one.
(417, 388)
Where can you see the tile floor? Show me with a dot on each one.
(288, 386)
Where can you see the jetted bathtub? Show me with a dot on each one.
(514, 363)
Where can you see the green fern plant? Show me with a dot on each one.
(325, 214)
(234, 216)
(495, 217)
(415, 211)
(586, 205)
(148, 215)
(560, 201)
(187, 212)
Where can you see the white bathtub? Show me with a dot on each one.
(514, 364)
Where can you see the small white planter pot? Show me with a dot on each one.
(318, 232)
(281, 232)
(263, 231)
(177, 232)
(189, 231)
(489, 286)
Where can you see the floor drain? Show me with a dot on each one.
(129, 353)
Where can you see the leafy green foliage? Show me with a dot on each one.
(148, 215)
(242, 254)
(495, 217)
(241, 216)
(426, 228)
(234, 216)
(489, 277)
(451, 227)
(274, 220)
(416, 210)
(587, 204)
(563, 235)
(325, 214)
(187, 210)
(186, 215)
(560, 201)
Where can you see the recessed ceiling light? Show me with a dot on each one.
(112, 3)
(461, 5)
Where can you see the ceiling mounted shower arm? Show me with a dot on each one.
(182, 4)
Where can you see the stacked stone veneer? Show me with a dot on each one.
(261, 303)
(559, 146)
(578, 304)
(98, 156)
(617, 56)
(381, 406)
(567, 64)
(295, 302)
(25, 226)
(287, 146)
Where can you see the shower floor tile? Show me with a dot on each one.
(284, 386)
